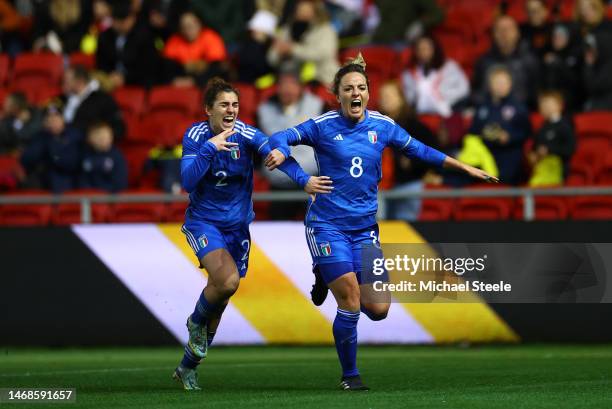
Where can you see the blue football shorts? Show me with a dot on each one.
(336, 252)
(205, 237)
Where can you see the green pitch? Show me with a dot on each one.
(515, 377)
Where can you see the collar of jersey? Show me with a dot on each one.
(352, 124)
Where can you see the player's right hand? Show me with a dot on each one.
(220, 140)
(318, 184)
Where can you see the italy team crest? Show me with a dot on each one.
(325, 248)
(203, 241)
(372, 136)
(235, 152)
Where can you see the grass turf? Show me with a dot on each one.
(533, 376)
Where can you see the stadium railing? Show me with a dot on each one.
(527, 194)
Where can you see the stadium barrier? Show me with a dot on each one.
(134, 284)
(528, 196)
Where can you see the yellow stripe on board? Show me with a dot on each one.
(268, 300)
(448, 322)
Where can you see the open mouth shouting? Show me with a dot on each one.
(356, 106)
(228, 121)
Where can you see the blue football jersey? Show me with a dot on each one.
(220, 183)
(351, 155)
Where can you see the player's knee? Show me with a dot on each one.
(228, 287)
(376, 312)
(350, 299)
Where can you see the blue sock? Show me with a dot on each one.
(189, 359)
(203, 310)
(345, 335)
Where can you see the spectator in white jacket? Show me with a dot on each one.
(308, 37)
(432, 82)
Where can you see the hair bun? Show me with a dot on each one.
(358, 60)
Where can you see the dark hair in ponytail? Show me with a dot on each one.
(213, 87)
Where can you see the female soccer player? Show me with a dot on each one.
(349, 145)
(217, 171)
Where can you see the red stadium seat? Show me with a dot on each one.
(10, 172)
(591, 153)
(25, 215)
(482, 209)
(164, 130)
(175, 101)
(248, 102)
(37, 69)
(436, 210)
(3, 94)
(591, 208)
(131, 101)
(604, 173)
(175, 212)
(594, 125)
(86, 60)
(546, 208)
(136, 156)
(5, 62)
(580, 174)
(137, 213)
(326, 95)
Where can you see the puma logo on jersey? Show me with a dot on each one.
(338, 137)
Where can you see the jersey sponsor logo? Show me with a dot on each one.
(338, 137)
(235, 152)
(203, 241)
(325, 248)
(372, 136)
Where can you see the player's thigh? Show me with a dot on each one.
(330, 250)
(365, 248)
(239, 247)
(222, 271)
(345, 289)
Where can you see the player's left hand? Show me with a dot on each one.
(274, 159)
(318, 184)
(480, 174)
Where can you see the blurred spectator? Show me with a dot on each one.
(102, 21)
(252, 54)
(503, 123)
(308, 38)
(226, 17)
(164, 15)
(597, 69)
(435, 83)
(19, 123)
(126, 52)
(11, 23)
(86, 103)
(199, 50)
(591, 17)
(291, 105)
(554, 143)
(408, 173)
(562, 67)
(402, 21)
(61, 24)
(536, 32)
(508, 50)
(51, 159)
(103, 165)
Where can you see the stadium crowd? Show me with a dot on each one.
(97, 94)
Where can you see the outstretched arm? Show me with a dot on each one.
(452, 163)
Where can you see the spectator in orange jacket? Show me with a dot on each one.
(199, 50)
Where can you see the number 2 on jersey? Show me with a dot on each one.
(221, 175)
